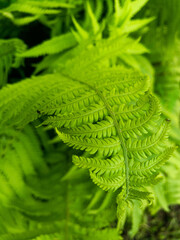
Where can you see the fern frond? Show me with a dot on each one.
(52, 46)
(106, 112)
(104, 49)
(131, 135)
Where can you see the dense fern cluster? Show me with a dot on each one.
(87, 115)
(29, 205)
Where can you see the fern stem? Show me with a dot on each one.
(119, 133)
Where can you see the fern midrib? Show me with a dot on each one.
(123, 145)
(119, 133)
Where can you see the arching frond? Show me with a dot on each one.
(133, 133)
(106, 113)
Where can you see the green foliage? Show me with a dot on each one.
(30, 205)
(120, 101)
(10, 49)
(35, 8)
(94, 86)
(52, 46)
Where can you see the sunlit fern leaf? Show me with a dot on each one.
(115, 104)
(9, 50)
(132, 136)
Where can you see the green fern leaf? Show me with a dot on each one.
(114, 98)
(52, 46)
(108, 113)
